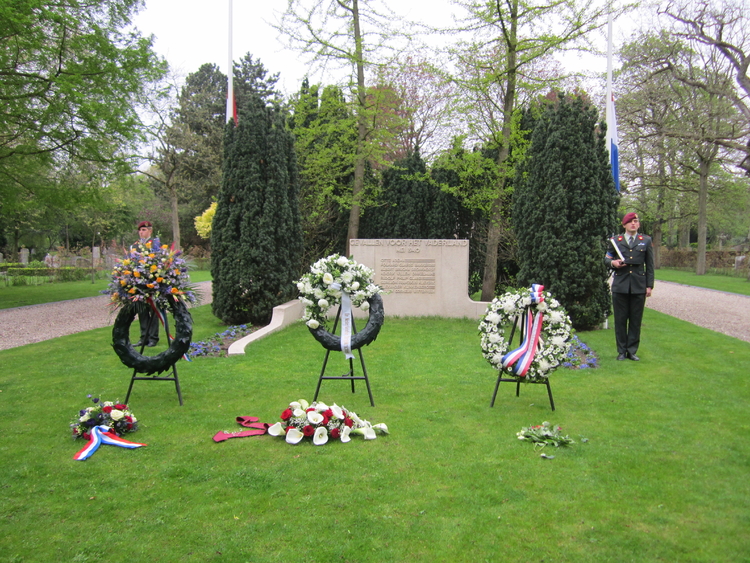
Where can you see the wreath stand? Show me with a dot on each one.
(135, 377)
(517, 380)
(350, 375)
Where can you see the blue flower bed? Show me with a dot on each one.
(219, 343)
(580, 356)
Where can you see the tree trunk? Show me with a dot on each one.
(175, 217)
(489, 279)
(359, 165)
(684, 234)
(700, 266)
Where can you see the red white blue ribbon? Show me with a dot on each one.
(519, 361)
(160, 314)
(103, 435)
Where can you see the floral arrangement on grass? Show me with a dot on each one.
(218, 344)
(150, 270)
(580, 356)
(321, 422)
(104, 413)
(545, 434)
(328, 280)
(505, 310)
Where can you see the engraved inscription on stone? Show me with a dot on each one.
(407, 275)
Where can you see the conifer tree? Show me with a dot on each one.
(407, 198)
(565, 207)
(256, 238)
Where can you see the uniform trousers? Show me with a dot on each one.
(628, 309)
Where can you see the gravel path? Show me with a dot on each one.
(35, 323)
(717, 310)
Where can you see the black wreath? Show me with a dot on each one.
(362, 338)
(161, 362)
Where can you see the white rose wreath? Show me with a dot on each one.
(497, 324)
(324, 287)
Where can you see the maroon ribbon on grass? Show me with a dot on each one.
(257, 429)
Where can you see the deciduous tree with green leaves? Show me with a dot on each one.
(513, 37)
(71, 75)
(352, 33)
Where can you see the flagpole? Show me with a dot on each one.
(611, 116)
(231, 111)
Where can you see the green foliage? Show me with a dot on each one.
(406, 201)
(203, 222)
(564, 209)
(256, 239)
(325, 141)
(72, 73)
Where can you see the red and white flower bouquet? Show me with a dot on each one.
(322, 422)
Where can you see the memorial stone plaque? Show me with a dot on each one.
(423, 277)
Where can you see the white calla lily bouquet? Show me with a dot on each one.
(322, 422)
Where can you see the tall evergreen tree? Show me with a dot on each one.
(256, 237)
(565, 207)
(407, 197)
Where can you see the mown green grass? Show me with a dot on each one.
(19, 296)
(710, 281)
(663, 476)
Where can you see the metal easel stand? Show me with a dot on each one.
(136, 377)
(518, 380)
(347, 376)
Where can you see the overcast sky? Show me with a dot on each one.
(189, 33)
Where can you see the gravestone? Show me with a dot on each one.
(96, 256)
(422, 277)
(24, 256)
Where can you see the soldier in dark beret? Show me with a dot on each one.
(146, 317)
(631, 256)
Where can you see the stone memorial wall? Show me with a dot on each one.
(423, 277)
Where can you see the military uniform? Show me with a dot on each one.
(629, 289)
(146, 317)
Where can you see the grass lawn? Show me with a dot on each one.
(19, 296)
(710, 281)
(663, 476)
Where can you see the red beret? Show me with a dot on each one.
(629, 217)
(145, 224)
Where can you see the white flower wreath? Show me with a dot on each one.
(498, 321)
(328, 279)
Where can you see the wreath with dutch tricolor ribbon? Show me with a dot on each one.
(541, 319)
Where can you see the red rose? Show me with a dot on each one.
(121, 407)
(335, 433)
(308, 430)
(129, 418)
(107, 409)
(287, 414)
(86, 436)
(326, 418)
(328, 413)
(349, 422)
(311, 409)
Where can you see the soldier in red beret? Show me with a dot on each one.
(631, 256)
(147, 319)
